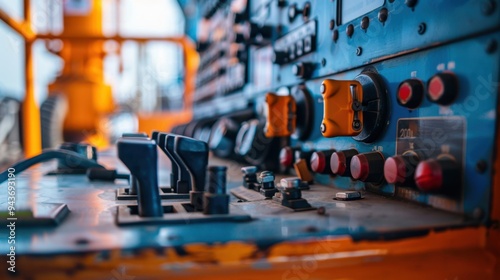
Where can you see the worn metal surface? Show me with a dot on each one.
(93, 209)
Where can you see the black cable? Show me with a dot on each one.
(49, 154)
(108, 175)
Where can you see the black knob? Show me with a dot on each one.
(240, 38)
(442, 88)
(140, 157)
(240, 17)
(193, 154)
(202, 46)
(174, 174)
(410, 93)
(242, 55)
(279, 57)
(223, 137)
(368, 167)
(266, 31)
(293, 11)
(340, 162)
(303, 69)
(216, 201)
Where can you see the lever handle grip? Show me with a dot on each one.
(140, 157)
(184, 183)
(174, 175)
(194, 154)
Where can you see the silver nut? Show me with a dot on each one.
(348, 195)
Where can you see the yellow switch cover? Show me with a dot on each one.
(342, 108)
(281, 115)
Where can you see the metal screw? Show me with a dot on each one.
(332, 24)
(356, 106)
(359, 51)
(335, 35)
(383, 15)
(356, 125)
(322, 89)
(422, 27)
(481, 166)
(491, 47)
(323, 62)
(323, 128)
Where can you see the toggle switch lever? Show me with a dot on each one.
(193, 155)
(140, 157)
(174, 175)
(183, 178)
(133, 181)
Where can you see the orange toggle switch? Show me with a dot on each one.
(281, 115)
(343, 114)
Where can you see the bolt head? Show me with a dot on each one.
(323, 128)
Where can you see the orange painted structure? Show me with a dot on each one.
(82, 79)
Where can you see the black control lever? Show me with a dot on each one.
(193, 154)
(154, 135)
(183, 179)
(174, 175)
(140, 156)
(133, 181)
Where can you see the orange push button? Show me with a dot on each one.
(343, 114)
(281, 115)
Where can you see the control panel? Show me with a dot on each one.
(385, 96)
(372, 120)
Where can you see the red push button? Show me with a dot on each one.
(400, 169)
(439, 175)
(368, 167)
(410, 93)
(429, 176)
(287, 156)
(340, 162)
(320, 161)
(442, 88)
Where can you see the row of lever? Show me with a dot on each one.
(189, 158)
